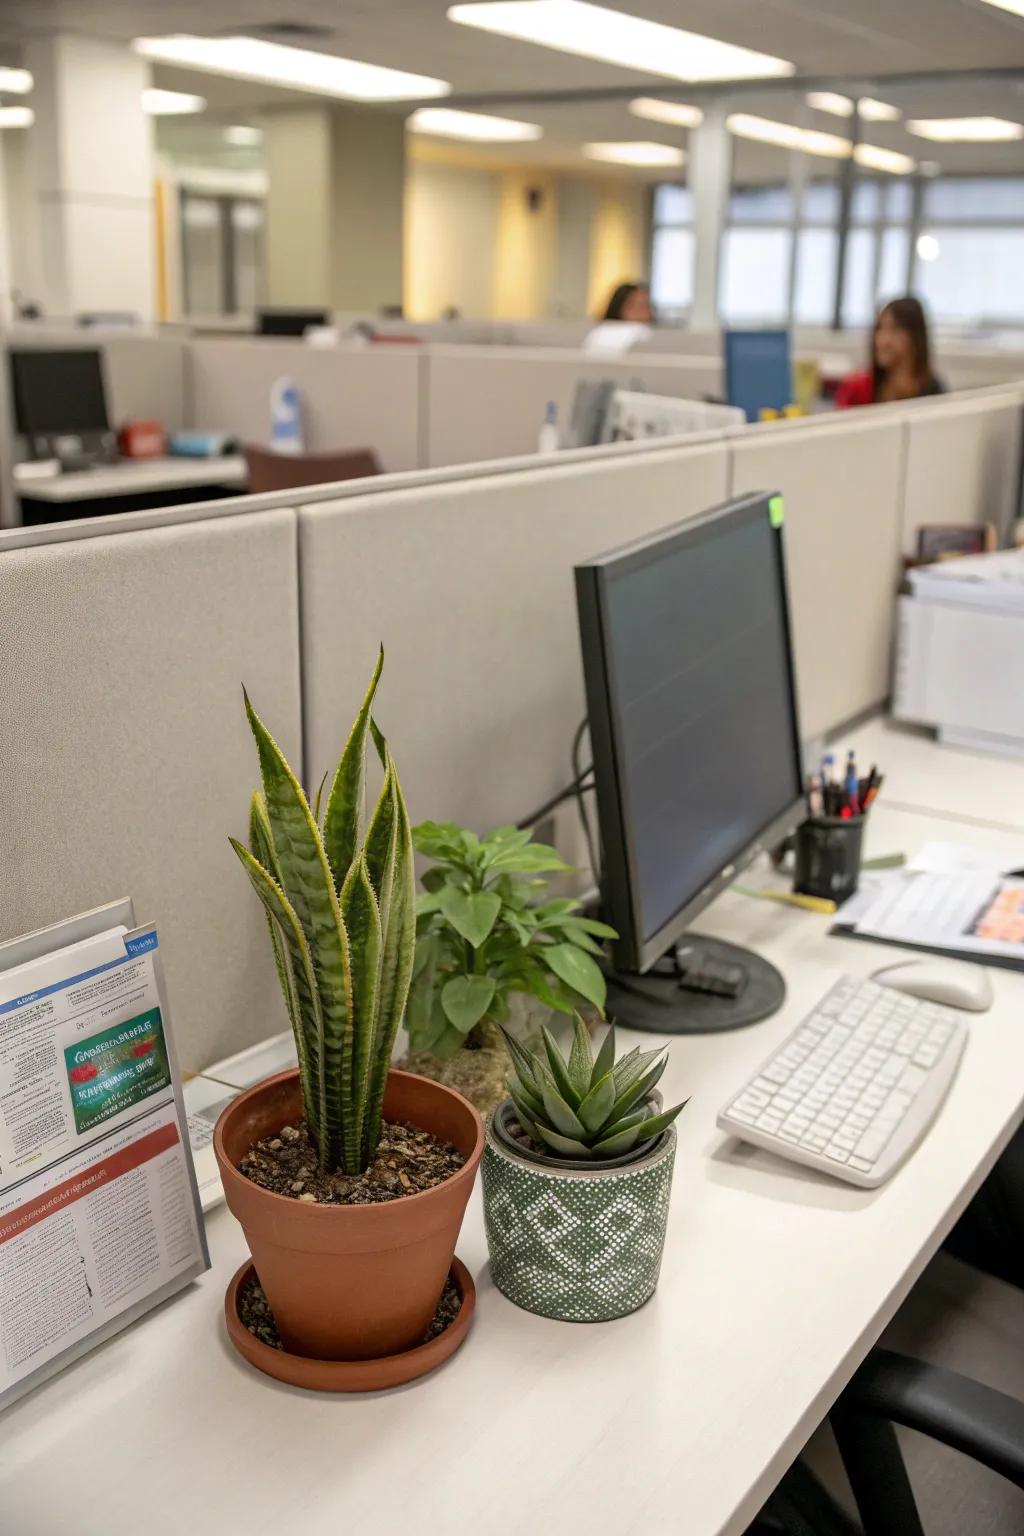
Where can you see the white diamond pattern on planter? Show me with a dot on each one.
(579, 1245)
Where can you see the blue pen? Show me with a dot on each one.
(828, 782)
(852, 784)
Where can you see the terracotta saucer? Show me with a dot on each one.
(349, 1375)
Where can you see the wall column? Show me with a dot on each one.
(710, 175)
(91, 173)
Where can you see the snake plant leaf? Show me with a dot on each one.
(361, 917)
(319, 797)
(561, 1115)
(309, 884)
(344, 814)
(581, 1061)
(605, 1057)
(568, 1146)
(261, 844)
(598, 1104)
(302, 979)
(471, 913)
(577, 970)
(398, 951)
(559, 1070)
(641, 1089)
(465, 1000)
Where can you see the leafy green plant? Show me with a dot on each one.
(341, 907)
(482, 934)
(582, 1107)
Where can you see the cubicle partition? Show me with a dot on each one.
(489, 402)
(125, 757)
(352, 396)
(469, 585)
(963, 461)
(144, 370)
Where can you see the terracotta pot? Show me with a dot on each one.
(350, 1282)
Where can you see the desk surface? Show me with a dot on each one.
(973, 787)
(680, 1418)
(133, 477)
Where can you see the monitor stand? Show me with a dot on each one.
(662, 1002)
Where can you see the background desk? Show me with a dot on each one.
(680, 1418)
(976, 788)
(129, 486)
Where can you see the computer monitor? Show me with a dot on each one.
(758, 371)
(60, 403)
(692, 707)
(288, 322)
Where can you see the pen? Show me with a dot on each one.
(815, 799)
(852, 784)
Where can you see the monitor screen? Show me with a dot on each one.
(288, 322)
(57, 392)
(692, 711)
(758, 371)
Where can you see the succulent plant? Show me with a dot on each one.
(581, 1107)
(341, 905)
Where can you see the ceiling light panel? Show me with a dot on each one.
(250, 58)
(635, 152)
(594, 32)
(829, 101)
(874, 158)
(676, 113)
(446, 123)
(873, 111)
(966, 130)
(170, 103)
(16, 117)
(809, 140)
(15, 82)
(1015, 7)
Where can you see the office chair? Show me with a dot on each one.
(269, 472)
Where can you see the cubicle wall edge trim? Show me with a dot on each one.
(406, 479)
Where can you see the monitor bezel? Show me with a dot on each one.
(635, 952)
(19, 356)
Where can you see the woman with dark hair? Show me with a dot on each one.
(627, 319)
(630, 301)
(901, 363)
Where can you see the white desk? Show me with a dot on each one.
(133, 477)
(974, 787)
(679, 1419)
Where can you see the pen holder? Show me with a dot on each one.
(828, 852)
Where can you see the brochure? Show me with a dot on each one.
(99, 1210)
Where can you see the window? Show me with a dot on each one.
(754, 280)
(970, 254)
(672, 251)
(817, 255)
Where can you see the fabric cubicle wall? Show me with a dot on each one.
(352, 396)
(469, 585)
(125, 757)
(842, 481)
(489, 402)
(963, 461)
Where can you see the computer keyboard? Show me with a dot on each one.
(856, 1085)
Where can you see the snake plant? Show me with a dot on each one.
(340, 902)
(580, 1107)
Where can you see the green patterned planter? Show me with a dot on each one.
(581, 1245)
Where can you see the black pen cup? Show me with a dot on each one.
(828, 854)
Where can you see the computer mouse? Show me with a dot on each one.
(940, 981)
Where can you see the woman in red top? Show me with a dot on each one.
(901, 367)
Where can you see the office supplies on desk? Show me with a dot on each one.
(790, 899)
(202, 445)
(142, 440)
(967, 915)
(857, 1084)
(758, 371)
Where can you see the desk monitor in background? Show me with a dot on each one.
(690, 690)
(758, 371)
(288, 322)
(60, 405)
